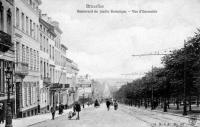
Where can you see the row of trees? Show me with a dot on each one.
(179, 79)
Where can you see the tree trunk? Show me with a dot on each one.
(177, 104)
(190, 104)
(165, 105)
(198, 101)
(168, 102)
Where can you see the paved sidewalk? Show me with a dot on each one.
(27, 121)
(24, 122)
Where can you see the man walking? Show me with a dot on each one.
(77, 108)
(108, 104)
(1, 113)
(53, 111)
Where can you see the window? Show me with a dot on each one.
(27, 25)
(17, 17)
(9, 22)
(34, 30)
(17, 52)
(1, 77)
(31, 30)
(34, 58)
(31, 59)
(47, 45)
(34, 6)
(41, 68)
(25, 94)
(50, 51)
(41, 44)
(44, 69)
(38, 61)
(53, 53)
(30, 2)
(27, 55)
(44, 43)
(37, 32)
(1, 17)
(22, 21)
(23, 54)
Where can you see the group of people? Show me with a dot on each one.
(108, 104)
(76, 109)
(60, 109)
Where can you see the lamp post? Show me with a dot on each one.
(83, 100)
(184, 89)
(8, 112)
(38, 105)
(152, 98)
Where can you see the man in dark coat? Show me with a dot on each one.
(108, 104)
(53, 111)
(1, 113)
(77, 108)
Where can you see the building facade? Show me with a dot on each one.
(30, 44)
(6, 51)
(58, 73)
(85, 88)
(27, 47)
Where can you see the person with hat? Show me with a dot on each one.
(77, 108)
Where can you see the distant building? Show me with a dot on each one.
(84, 87)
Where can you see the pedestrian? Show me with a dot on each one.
(57, 105)
(115, 105)
(96, 103)
(108, 104)
(60, 109)
(1, 113)
(77, 109)
(53, 111)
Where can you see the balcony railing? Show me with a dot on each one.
(10, 1)
(47, 80)
(5, 41)
(71, 90)
(21, 68)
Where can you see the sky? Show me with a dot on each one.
(103, 44)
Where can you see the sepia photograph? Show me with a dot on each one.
(99, 63)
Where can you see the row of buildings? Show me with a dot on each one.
(30, 44)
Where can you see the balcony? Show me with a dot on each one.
(47, 80)
(10, 1)
(71, 90)
(5, 41)
(21, 69)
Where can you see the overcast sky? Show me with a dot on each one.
(102, 44)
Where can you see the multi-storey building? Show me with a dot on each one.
(47, 65)
(6, 50)
(73, 77)
(43, 73)
(27, 49)
(54, 65)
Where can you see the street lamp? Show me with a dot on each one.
(83, 100)
(184, 89)
(8, 112)
(152, 98)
